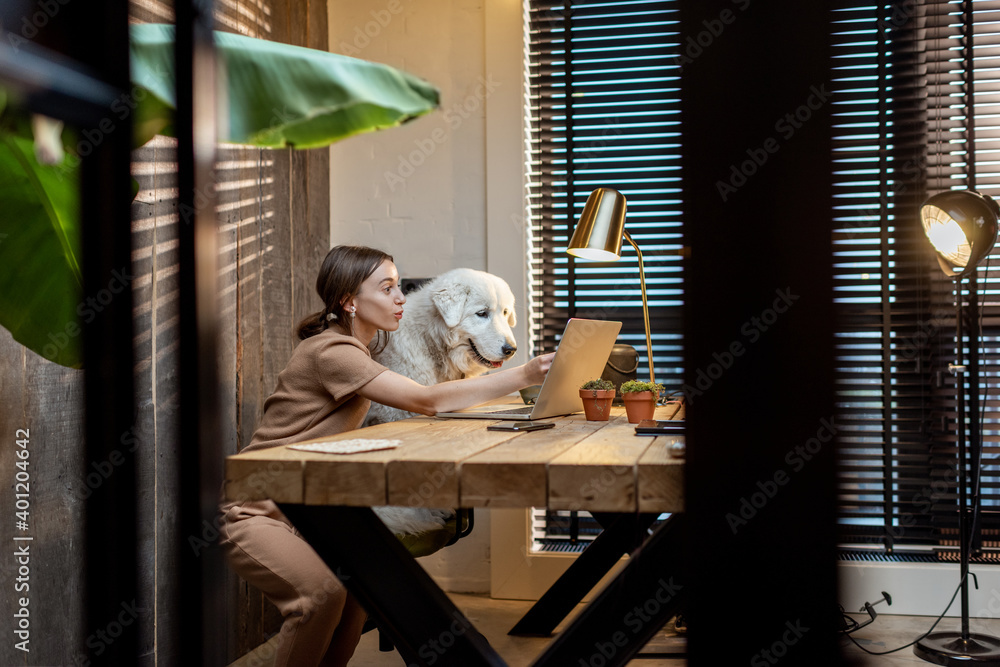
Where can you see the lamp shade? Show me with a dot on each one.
(598, 234)
(962, 227)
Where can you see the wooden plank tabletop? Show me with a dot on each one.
(458, 463)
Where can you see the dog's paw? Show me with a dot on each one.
(412, 520)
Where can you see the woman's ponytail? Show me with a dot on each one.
(312, 325)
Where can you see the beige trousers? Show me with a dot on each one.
(323, 621)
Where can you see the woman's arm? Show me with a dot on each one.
(401, 392)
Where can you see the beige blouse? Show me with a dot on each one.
(315, 394)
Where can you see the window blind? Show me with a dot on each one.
(902, 132)
(602, 105)
(916, 111)
(602, 102)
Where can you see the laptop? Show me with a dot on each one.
(581, 355)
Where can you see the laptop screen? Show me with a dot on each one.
(582, 353)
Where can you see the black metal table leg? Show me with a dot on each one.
(426, 627)
(622, 533)
(648, 591)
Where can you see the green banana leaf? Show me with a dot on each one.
(40, 281)
(277, 96)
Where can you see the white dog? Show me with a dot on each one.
(456, 326)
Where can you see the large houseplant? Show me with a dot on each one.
(278, 96)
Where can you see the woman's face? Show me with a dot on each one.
(378, 303)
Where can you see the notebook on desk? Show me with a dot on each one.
(581, 355)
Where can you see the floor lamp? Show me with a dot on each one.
(962, 228)
(598, 237)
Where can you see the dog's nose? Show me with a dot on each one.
(508, 350)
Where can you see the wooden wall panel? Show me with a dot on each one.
(46, 400)
(274, 232)
(140, 442)
(163, 445)
(317, 164)
(54, 396)
(12, 422)
(310, 235)
(278, 324)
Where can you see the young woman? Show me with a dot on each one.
(325, 389)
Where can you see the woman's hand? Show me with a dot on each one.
(537, 368)
(399, 391)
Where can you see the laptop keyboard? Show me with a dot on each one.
(511, 411)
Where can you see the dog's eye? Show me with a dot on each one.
(483, 313)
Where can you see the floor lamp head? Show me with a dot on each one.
(961, 225)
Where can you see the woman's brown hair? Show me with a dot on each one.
(344, 269)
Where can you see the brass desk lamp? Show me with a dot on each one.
(598, 237)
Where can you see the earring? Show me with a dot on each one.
(352, 313)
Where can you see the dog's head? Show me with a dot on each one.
(478, 310)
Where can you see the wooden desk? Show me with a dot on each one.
(600, 466)
(578, 465)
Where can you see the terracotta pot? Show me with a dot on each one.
(597, 403)
(639, 405)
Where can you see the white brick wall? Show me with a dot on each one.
(445, 190)
(417, 191)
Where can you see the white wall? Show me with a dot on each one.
(919, 589)
(445, 190)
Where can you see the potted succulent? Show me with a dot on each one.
(640, 399)
(597, 396)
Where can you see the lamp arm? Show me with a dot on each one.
(645, 308)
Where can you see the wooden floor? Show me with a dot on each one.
(494, 617)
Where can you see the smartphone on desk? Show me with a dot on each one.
(659, 427)
(520, 426)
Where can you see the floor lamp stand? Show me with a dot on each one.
(964, 647)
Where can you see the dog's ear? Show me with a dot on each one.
(511, 318)
(450, 301)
